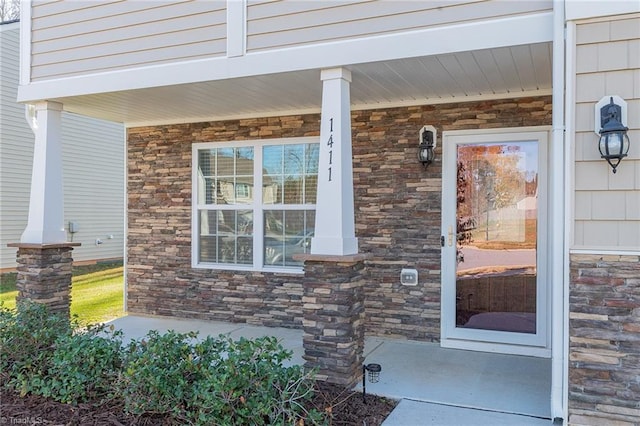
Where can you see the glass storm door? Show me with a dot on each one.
(493, 286)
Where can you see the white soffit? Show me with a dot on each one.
(456, 77)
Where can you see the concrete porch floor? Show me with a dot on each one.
(436, 386)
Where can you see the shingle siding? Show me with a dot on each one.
(604, 293)
(607, 63)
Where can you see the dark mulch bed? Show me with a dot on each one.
(346, 408)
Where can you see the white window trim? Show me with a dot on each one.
(257, 207)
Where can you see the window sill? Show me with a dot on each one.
(234, 268)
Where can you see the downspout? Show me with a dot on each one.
(559, 372)
(125, 205)
(569, 184)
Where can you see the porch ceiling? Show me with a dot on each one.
(500, 72)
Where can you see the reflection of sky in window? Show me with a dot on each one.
(246, 152)
(528, 153)
(225, 152)
(291, 160)
(272, 159)
(294, 160)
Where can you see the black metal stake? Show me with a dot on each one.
(364, 384)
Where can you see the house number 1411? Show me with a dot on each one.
(330, 145)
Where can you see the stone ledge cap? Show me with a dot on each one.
(358, 257)
(43, 246)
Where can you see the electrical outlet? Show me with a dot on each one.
(409, 277)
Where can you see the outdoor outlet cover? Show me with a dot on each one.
(409, 277)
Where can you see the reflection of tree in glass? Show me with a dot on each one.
(493, 179)
(507, 184)
(295, 168)
(465, 221)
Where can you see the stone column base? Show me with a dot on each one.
(333, 317)
(44, 275)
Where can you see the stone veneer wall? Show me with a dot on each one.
(44, 275)
(604, 329)
(397, 217)
(398, 204)
(334, 317)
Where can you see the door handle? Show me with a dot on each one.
(450, 236)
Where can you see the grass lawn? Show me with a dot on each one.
(96, 292)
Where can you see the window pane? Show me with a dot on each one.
(224, 189)
(310, 189)
(287, 232)
(312, 154)
(293, 160)
(206, 161)
(226, 236)
(245, 251)
(290, 174)
(207, 233)
(272, 189)
(293, 174)
(206, 193)
(293, 190)
(272, 180)
(272, 160)
(225, 176)
(244, 190)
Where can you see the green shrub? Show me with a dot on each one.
(215, 381)
(212, 381)
(158, 374)
(85, 366)
(249, 384)
(27, 342)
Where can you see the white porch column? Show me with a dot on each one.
(335, 222)
(46, 204)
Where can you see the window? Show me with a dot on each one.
(238, 227)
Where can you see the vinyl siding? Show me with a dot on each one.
(607, 205)
(73, 38)
(93, 168)
(275, 24)
(76, 38)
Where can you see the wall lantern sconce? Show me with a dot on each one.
(611, 113)
(373, 371)
(427, 145)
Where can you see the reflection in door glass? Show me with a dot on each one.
(496, 214)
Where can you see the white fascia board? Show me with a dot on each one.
(586, 9)
(512, 31)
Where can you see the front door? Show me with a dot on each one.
(494, 280)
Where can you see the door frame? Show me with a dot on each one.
(538, 344)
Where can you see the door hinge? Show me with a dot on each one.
(442, 240)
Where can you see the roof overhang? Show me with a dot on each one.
(507, 57)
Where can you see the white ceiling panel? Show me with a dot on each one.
(507, 71)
